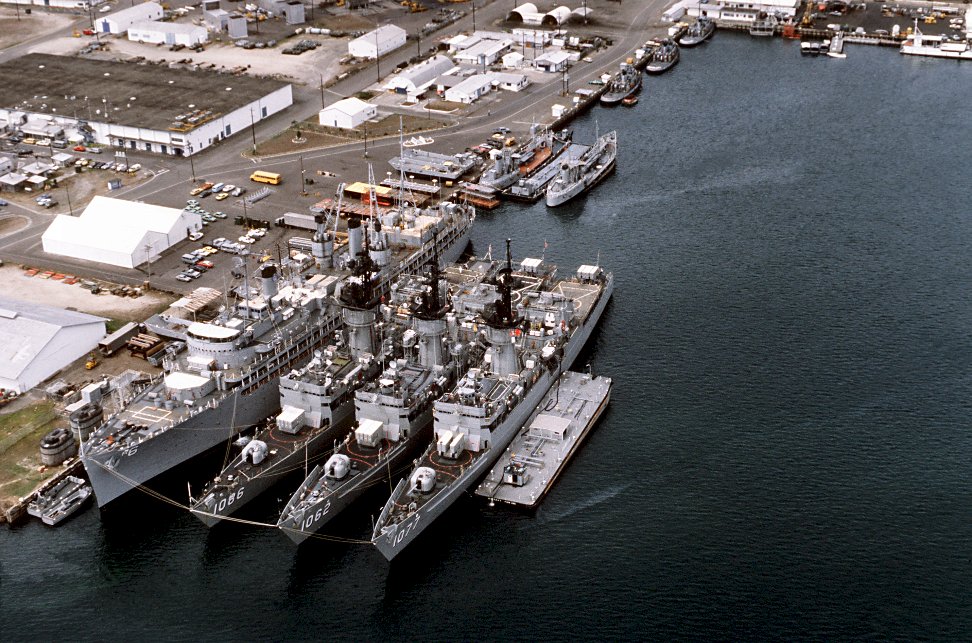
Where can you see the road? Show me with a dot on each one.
(225, 162)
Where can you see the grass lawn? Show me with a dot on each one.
(20, 435)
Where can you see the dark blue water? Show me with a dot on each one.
(788, 451)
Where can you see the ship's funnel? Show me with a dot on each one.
(267, 282)
(319, 240)
(355, 237)
(361, 330)
(502, 351)
(430, 332)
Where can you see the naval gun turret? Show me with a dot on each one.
(500, 322)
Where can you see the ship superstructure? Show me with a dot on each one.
(532, 331)
(580, 175)
(393, 413)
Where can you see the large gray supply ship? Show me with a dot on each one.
(393, 413)
(418, 162)
(579, 176)
(477, 419)
(541, 450)
(228, 380)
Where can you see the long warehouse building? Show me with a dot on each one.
(135, 106)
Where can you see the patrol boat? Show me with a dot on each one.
(393, 413)
(317, 406)
(228, 381)
(528, 347)
(580, 175)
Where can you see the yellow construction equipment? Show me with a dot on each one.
(92, 361)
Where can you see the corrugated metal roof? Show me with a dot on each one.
(26, 328)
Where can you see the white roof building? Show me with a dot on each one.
(552, 61)
(415, 80)
(347, 113)
(121, 21)
(118, 232)
(508, 81)
(513, 60)
(483, 51)
(739, 11)
(36, 341)
(167, 33)
(377, 42)
(470, 89)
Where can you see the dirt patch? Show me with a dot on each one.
(80, 188)
(444, 106)
(12, 223)
(14, 30)
(317, 136)
(17, 285)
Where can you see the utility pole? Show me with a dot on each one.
(303, 181)
(253, 131)
(67, 193)
(474, 15)
(366, 140)
(322, 90)
(192, 168)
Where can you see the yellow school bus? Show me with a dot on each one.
(265, 177)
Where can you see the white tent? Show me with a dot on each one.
(118, 232)
(36, 341)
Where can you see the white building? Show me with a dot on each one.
(378, 42)
(737, 11)
(470, 89)
(415, 80)
(527, 13)
(168, 111)
(552, 61)
(347, 113)
(58, 4)
(509, 82)
(120, 21)
(167, 33)
(118, 232)
(484, 51)
(513, 60)
(556, 17)
(37, 341)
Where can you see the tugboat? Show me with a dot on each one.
(698, 33)
(665, 57)
(625, 84)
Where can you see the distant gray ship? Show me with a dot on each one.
(529, 346)
(229, 379)
(580, 175)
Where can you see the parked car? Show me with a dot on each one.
(204, 193)
(218, 187)
(219, 215)
(80, 148)
(205, 263)
(195, 236)
(94, 150)
(238, 191)
(183, 277)
(222, 195)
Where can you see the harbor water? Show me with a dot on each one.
(787, 452)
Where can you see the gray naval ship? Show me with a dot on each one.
(528, 347)
(228, 379)
(394, 412)
(317, 407)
